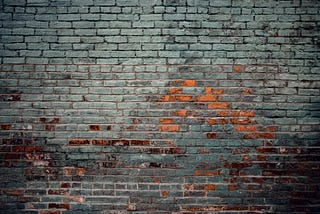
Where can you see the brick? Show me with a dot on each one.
(130, 106)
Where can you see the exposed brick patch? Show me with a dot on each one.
(78, 142)
(187, 139)
(59, 206)
(5, 126)
(94, 127)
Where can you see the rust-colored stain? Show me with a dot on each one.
(58, 191)
(211, 135)
(49, 212)
(206, 172)
(237, 68)
(246, 113)
(211, 121)
(212, 91)
(65, 185)
(168, 128)
(140, 143)
(100, 142)
(205, 98)
(49, 121)
(182, 113)
(5, 126)
(231, 187)
(186, 83)
(246, 91)
(209, 187)
(14, 192)
(166, 121)
(94, 127)
(59, 206)
(80, 171)
(76, 199)
(218, 105)
(203, 151)
(78, 142)
(258, 135)
(27, 148)
(175, 91)
(227, 113)
(181, 98)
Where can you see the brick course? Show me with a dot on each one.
(164, 106)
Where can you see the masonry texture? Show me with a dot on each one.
(159, 106)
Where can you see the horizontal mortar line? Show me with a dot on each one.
(134, 65)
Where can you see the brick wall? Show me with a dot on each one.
(159, 106)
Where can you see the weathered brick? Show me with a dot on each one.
(166, 105)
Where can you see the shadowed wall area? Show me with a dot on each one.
(159, 106)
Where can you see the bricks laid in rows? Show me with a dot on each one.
(172, 138)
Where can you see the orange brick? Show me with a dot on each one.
(246, 113)
(164, 194)
(217, 105)
(246, 91)
(251, 136)
(67, 171)
(266, 135)
(188, 83)
(227, 113)
(237, 68)
(245, 128)
(206, 173)
(164, 98)
(223, 121)
(182, 113)
(259, 135)
(219, 91)
(209, 187)
(205, 98)
(269, 129)
(185, 98)
(175, 91)
(211, 121)
(209, 90)
(166, 121)
(80, 171)
(171, 128)
(100, 142)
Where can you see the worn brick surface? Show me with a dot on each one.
(160, 106)
(166, 144)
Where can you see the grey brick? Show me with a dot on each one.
(108, 17)
(219, 3)
(143, 24)
(85, 32)
(174, 17)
